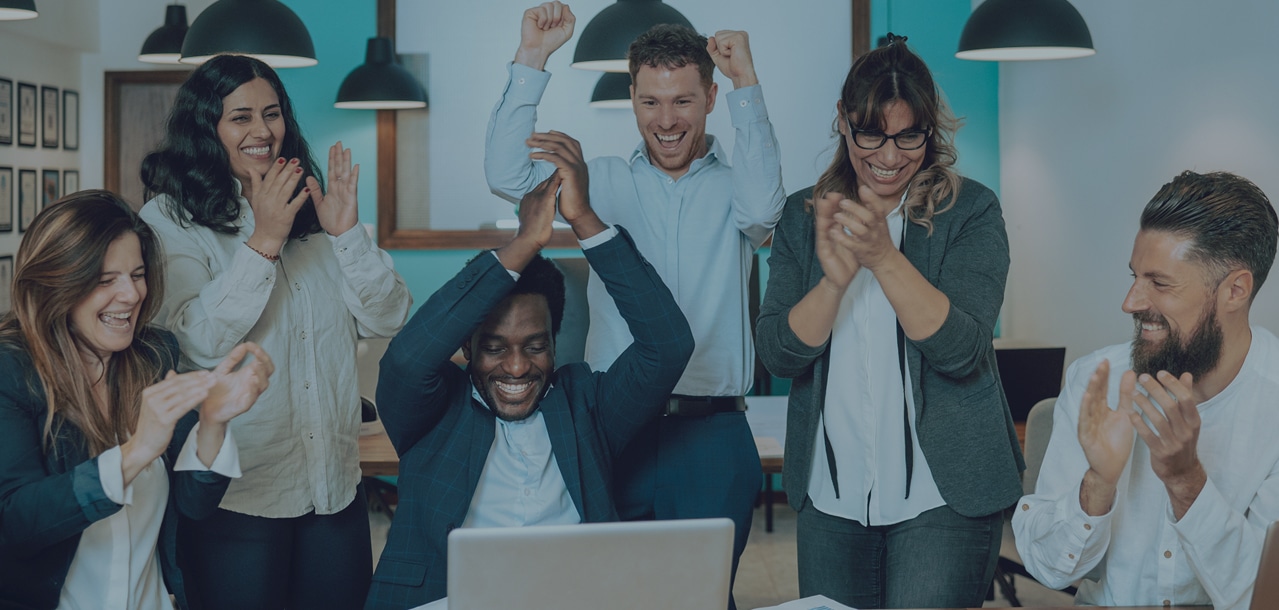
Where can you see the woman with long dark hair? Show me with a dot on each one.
(885, 282)
(100, 448)
(260, 251)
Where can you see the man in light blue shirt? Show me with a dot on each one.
(696, 219)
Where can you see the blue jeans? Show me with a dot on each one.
(938, 559)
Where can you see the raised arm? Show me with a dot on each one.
(509, 170)
(758, 195)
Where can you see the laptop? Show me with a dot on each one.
(1265, 591)
(674, 565)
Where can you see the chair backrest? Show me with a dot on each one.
(1039, 428)
(1029, 375)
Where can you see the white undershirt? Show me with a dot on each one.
(863, 413)
(116, 566)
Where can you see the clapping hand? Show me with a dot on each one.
(1105, 434)
(235, 388)
(274, 204)
(163, 404)
(1172, 436)
(339, 210)
(839, 264)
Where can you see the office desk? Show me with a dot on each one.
(377, 456)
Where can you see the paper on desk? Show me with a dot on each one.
(816, 602)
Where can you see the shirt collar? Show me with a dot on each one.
(714, 152)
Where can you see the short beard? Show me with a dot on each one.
(1197, 355)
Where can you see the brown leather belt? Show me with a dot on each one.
(701, 406)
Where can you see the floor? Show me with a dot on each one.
(766, 574)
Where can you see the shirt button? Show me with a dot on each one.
(1070, 555)
(1088, 526)
(304, 335)
(306, 385)
(297, 286)
(528, 492)
(1025, 507)
(521, 81)
(743, 103)
(1167, 554)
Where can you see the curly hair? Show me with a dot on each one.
(191, 166)
(889, 74)
(1230, 220)
(673, 46)
(59, 264)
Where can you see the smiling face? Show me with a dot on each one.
(512, 355)
(251, 128)
(670, 108)
(106, 319)
(887, 170)
(1173, 302)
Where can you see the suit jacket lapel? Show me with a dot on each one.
(483, 431)
(559, 426)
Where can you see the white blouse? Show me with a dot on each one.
(116, 566)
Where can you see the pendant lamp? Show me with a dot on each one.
(380, 83)
(13, 10)
(164, 45)
(263, 29)
(612, 91)
(1019, 30)
(607, 37)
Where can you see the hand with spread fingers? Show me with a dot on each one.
(163, 404)
(731, 52)
(1106, 437)
(544, 29)
(236, 384)
(839, 264)
(339, 209)
(1172, 436)
(274, 204)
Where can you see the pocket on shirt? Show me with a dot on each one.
(400, 572)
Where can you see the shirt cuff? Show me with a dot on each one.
(527, 84)
(227, 463)
(351, 245)
(515, 275)
(598, 238)
(111, 475)
(746, 105)
(1202, 522)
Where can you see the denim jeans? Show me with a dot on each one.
(938, 559)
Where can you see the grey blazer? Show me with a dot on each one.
(962, 418)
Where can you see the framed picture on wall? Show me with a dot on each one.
(6, 281)
(28, 198)
(50, 186)
(70, 119)
(6, 199)
(70, 181)
(6, 111)
(27, 125)
(49, 116)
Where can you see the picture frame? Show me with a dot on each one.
(49, 118)
(70, 181)
(50, 187)
(6, 199)
(6, 112)
(6, 283)
(28, 198)
(70, 119)
(27, 125)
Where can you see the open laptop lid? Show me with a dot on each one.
(674, 565)
(1265, 591)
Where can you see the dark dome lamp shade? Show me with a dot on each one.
(13, 10)
(264, 29)
(605, 40)
(164, 45)
(1019, 30)
(612, 91)
(380, 83)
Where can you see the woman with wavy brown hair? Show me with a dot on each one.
(885, 282)
(101, 445)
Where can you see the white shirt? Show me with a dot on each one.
(699, 232)
(863, 413)
(299, 443)
(1137, 554)
(116, 566)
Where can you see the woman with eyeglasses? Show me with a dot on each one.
(885, 282)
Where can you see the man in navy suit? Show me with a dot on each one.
(511, 440)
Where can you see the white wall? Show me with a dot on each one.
(802, 51)
(1085, 143)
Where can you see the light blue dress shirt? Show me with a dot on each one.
(699, 232)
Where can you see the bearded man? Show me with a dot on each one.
(1162, 472)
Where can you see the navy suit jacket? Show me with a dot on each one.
(443, 435)
(48, 498)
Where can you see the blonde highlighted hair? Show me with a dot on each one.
(893, 73)
(59, 263)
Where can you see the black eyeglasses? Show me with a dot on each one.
(870, 139)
